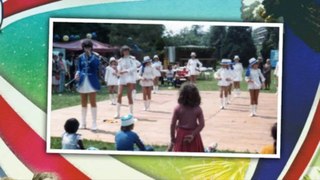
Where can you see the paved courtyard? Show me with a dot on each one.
(231, 128)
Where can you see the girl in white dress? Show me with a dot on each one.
(157, 65)
(111, 79)
(192, 65)
(255, 81)
(147, 74)
(127, 70)
(224, 77)
(238, 69)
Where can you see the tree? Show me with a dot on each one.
(215, 39)
(271, 42)
(238, 41)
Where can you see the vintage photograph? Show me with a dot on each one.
(176, 88)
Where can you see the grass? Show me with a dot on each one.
(68, 99)
(101, 145)
(56, 144)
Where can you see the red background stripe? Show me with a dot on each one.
(307, 150)
(11, 7)
(30, 148)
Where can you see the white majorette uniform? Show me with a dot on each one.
(224, 74)
(157, 67)
(138, 64)
(193, 66)
(146, 78)
(238, 69)
(127, 64)
(111, 77)
(255, 76)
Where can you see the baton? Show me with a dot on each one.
(68, 83)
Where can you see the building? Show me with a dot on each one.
(258, 36)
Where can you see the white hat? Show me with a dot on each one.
(193, 54)
(224, 62)
(252, 61)
(112, 59)
(146, 59)
(155, 57)
(236, 57)
(127, 120)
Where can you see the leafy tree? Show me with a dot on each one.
(215, 39)
(238, 41)
(271, 42)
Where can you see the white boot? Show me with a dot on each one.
(117, 116)
(131, 109)
(254, 109)
(238, 92)
(145, 105)
(148, 104)
(154, 89)
(114, 99)
(94, 118)
(251, 111)
(111, 98)
(134, 93)
(221, 103)
(228, 99)
(83, 118)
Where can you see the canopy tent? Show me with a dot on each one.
(77, 46)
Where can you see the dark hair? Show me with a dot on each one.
(127, 128)
(87, 43)
(60, 54)
(71, 126)
(274, 136)
(189, 95)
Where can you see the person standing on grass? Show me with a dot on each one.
(267, 73)
(194, 66)
(147, 74)
(187, 121)
(88, 82)
(127, 70)
(55, 74)
(224, 76)
(255, 81)
(157, 65)
(238, 70)
(63, 71)
(111, 79)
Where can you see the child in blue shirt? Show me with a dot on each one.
(70, 139)
(126, 139)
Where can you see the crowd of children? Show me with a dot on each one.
(187, 120)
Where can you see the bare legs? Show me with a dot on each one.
(130, 87)
(223, 96)
(254, 95)
(146, 97)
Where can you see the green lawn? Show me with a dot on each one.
(68, 99)
(56, 144)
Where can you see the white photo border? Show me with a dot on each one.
(167, 22)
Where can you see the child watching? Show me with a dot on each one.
(126, 139)
(187, 121)
(71, 140)
(170, 75)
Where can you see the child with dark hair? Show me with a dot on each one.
(70, 139)
(126, 139)
(187, 121)
(271, 149)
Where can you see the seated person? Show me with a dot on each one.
(126, 139)
(170, 74)
(70, 139)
